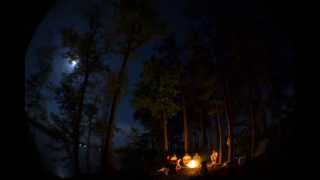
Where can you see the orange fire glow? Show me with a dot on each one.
(193, 164)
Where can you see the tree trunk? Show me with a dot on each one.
(89, 143)
(202, 131)
(76, 125)
(204, 127)
(252, 123)
(230, 120)
(78, 119)
(252, 130)
(152, 142)
(219, 134)
(262, 118)
(165, 133)
(109, 133)
(185, 127)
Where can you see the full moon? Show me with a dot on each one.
(74, 63)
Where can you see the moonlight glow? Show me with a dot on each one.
(74, 63)
(71, 64)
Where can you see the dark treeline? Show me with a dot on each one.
(223, 86)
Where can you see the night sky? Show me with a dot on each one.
(68, 14)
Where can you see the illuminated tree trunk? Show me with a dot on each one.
(185, 128)
(219, 135)
(230, 120)
(165, 133)
(201, 142)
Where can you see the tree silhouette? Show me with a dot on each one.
(135, 24)
(156, 93)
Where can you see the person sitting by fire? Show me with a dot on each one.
(213, 158)
(186, 159)
(166, 164)
(172, 164)
(179, 165)
(174, 158)
(204, 161)
(167, 157)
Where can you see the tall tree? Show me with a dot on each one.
(185, 126)
(201, 81)
(90, 111)
(86, 50)
(136, 24)
(156, 92)
(220, 135)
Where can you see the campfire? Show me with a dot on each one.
(188, 165)
(193, 164)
